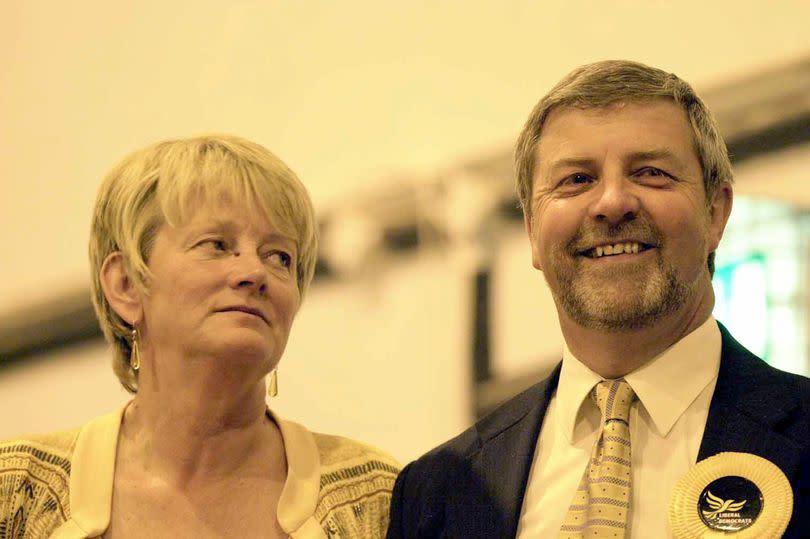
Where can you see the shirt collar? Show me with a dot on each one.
(698, 354)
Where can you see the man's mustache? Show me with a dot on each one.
(590, 235)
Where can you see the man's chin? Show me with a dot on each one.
(614, 307)
(615, 291)
(615, 274)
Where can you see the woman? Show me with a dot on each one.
(201, 251)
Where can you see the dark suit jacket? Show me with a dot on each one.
(473, 485)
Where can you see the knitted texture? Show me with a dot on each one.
(355, 486)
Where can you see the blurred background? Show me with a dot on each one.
(399, 117)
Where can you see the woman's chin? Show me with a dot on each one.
(242, 349)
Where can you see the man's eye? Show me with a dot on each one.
(653, 177)
(652, 171)
(576, 179)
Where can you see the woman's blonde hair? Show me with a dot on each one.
(163, 183)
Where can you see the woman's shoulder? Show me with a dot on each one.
(330, 450)
(342, 486)
(53, 448)
(339, 450)
(356, 481)
(57, 448)
(35, 478)
(36, 473)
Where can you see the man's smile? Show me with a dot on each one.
(617, 248)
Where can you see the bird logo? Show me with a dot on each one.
(719, 505)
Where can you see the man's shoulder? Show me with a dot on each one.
(468, 443)
(796, 385)
(745, 372)
(457, 478)
(777, 397)
(758, 408)
(785, 393)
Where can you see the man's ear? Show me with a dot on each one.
(528, 224)
(120, 291)
(719, 211)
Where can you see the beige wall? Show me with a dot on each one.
(349, 94)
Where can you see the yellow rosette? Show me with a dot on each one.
(732, 495)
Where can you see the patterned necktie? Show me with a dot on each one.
(602, 502)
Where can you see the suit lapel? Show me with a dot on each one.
(508, 439)
(749, 405)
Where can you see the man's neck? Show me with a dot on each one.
(614, 354)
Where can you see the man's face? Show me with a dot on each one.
(620, 225)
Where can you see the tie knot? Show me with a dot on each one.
(614, 398)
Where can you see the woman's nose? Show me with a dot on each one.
(248, 272)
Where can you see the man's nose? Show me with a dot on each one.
(616, 200)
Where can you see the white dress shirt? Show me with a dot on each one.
(667, 422)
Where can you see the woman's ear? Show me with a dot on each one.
(120, 291)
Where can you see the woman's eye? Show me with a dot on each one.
(214, 244)
(279, 258)
(218, 245)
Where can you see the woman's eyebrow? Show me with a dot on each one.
(278, 237)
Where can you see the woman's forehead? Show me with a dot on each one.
(231, 217)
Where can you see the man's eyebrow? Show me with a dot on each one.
(658, 153)
(570, 162)
(650, 155)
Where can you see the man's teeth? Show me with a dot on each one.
(617, 249)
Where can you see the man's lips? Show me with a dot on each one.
(629, 247)
(245, 309)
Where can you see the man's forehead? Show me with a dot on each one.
(571, 112)
(651, 129)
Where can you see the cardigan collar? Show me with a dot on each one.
(93, 470)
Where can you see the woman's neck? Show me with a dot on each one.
(191, 433)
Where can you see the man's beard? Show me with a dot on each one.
(618, 298)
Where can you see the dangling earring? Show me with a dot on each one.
(272, 386)
(135, 358)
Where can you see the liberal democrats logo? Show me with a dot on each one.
(730, 503)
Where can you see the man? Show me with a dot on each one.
(625, 185)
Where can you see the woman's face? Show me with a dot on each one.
(223, 285)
